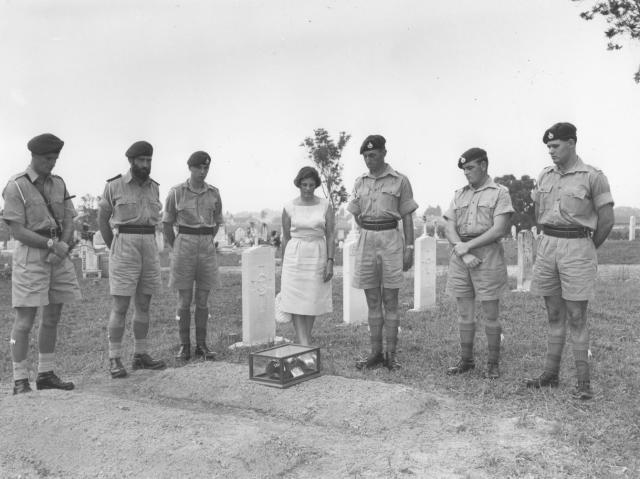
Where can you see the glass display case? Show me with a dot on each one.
(285, 365)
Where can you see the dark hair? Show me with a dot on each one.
(307, 172)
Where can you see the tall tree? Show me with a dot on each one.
(623, 18)
(326, 154)
(520, 192)
(88, 211)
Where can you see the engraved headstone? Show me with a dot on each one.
(354, 302)
(90, 265)
(160, 240)
(424, 287)
(525, 260)
(632, 228)
(258, 295)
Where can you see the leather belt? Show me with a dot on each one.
(379, 225)
(137, 229)
(465, 238)
(187, 230)
(566, 232)
(49, 232)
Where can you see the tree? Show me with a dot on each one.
(433, 211)
(326, 154)
(520, 192)
(88, 211)
(623, 18)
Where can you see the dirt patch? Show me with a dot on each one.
(208, 419)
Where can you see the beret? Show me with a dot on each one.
(45, 143)
(199, 158)
(139, 148)
(470, 155)
(560, 131)
(373, 142)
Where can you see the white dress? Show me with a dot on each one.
(303, 290)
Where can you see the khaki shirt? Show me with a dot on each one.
(131, 203)
(388, 196)
(571, 198)
(474, 210)
(23, 203)
(186, 207)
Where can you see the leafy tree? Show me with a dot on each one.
(433, 211)
(88, 211)
(520, 192)
(326, 154)
(623, 18)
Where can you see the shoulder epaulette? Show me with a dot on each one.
(20, 175)
(114, 178)
(211, 187)
(155, 181)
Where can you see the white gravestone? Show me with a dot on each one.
(160, 240)
(221, 237)
(525, 260)
(90, 265)
(424, 287)
(258, 295)
(354, 302)
(514, 232)
(435, 229)
(632, 228)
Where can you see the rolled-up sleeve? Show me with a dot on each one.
(218, 216)
(600, 191)
(450, 214)
(407, 204)
(169, 214)
(105, 202)
(354, 205)
(503, 205)
(14, 209)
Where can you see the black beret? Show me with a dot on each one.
(373, 142)
(470, 155)
(199, 158)
(45, 143)
(139, 148)
(560, 131)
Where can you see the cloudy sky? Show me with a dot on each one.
(248, 80)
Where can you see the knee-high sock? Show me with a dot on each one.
(184, 325)
(140, 331)
(19, 341)
(201, 317)
(47, 335)
(580, 356)
(20, 370)
(493, 343)
(46, 362)
(555, 344)
(375, 332)
(467, 335)
(391, 333)
(116, 332)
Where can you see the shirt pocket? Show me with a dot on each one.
(542, 197)
(188, 211)
(126, 209)
(209, 210)
(390, 197)
(37, 212)
(486, 207)
(576, 202)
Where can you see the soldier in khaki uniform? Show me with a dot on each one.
(39, 212)
(477, 219)
(195, 208)
(381, 198)
(574, 207)
(131, 204)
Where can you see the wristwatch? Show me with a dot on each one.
(50, 244)
(410, 246)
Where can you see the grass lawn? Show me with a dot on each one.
(600, 438)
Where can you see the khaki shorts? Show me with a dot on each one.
(194, 259)
(36, 283)
(486, 282)
(379, 256)
(134, 265)
(565, 267)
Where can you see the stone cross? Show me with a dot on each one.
(258, 295)
(525, 260)
(354, 302)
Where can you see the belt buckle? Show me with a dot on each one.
(53, 233)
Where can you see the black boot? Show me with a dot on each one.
(462, 366)
(372, 361)
(185, 352)
(116, 368)
(544, 380)
(144, 361)
(204, 352)
(391, 361)
(49, 380)
(21, 386)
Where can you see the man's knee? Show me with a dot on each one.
(374, 298)
(184, 298)
(576, 315)
(143, 302)
(202, 298)
(121, 304)
(490, 311)
(390, 299)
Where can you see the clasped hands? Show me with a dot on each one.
(57, 252)
(462, 251)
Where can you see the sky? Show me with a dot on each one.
(247, 81)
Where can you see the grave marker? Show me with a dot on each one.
(525, 260)
(632, 228)
(258, 295)
(354, 302)
(424, 287)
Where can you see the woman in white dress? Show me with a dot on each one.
(308, 249)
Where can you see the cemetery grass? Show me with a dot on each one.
(598, 438)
